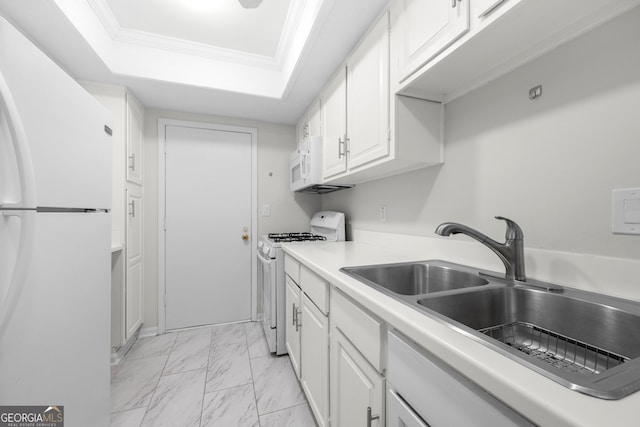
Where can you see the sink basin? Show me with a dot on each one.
(416, 278)
(585, 341)
(587, 345)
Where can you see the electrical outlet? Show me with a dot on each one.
(383, 213)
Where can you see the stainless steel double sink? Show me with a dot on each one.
(585, 341)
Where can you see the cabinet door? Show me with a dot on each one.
(134, 277)
(292, 306)
(309, 124)
(428, 27)
(135, 123)
(314, 354)
(334, 126)
(400, 414)
(357, 389)
(368, 98)
(300, 130)
(314, 119)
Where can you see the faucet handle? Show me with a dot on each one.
(514, 232)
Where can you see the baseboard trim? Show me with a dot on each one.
(150, 331)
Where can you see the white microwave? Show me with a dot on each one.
(305, 169)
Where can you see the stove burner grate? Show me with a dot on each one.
(295, 237)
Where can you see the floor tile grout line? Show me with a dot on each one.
(253, 381)
(155, 388)
(286, 408)
(124, 360)
(206, 377)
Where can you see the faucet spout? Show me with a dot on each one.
(511, 252)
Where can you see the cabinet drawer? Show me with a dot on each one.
(316, 288)
(439, 394)
(360, 327)
(292, 268)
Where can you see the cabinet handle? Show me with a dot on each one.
(491, 9)
(132, 209)
(293, 315)
(454, 3)
(132, 162)
(370, 418)
(342, 147)
(298, 322)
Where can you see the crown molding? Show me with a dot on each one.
(120, 34)
(184, 47)
(134, 53)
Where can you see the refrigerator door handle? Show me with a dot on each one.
(17, 148)
(17, 277)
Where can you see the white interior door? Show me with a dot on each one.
(208, 198)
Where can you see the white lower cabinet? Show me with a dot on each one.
(356, 371)
(134, 271)
(357, 389)
(357, 364)
(400, 414)
(292, 304)
(307, 339)
(314, 354)
(424, 388)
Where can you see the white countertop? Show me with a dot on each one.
(536, 397)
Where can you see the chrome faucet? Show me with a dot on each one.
(511, 252)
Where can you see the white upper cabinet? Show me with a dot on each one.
(426, 28)
(334, 126)
(310, 123)
(368, 133)
(440, 52)
(355, 107)
(314, 120)
(368, 98)
(135, 123)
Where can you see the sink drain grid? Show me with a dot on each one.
(560, 351)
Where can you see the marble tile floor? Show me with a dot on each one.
(214, 376)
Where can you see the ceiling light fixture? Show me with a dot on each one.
(250, 4)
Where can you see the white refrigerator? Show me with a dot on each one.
(55, 263)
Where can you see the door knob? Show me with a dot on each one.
(245, 236)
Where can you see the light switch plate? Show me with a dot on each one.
(626, 211)
(266, 209)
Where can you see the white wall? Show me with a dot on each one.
(549, 164)
(289, 212)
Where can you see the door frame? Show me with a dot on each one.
(253, 232)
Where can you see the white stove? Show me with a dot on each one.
(325, 226)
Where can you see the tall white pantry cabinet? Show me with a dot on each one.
(126, 215)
